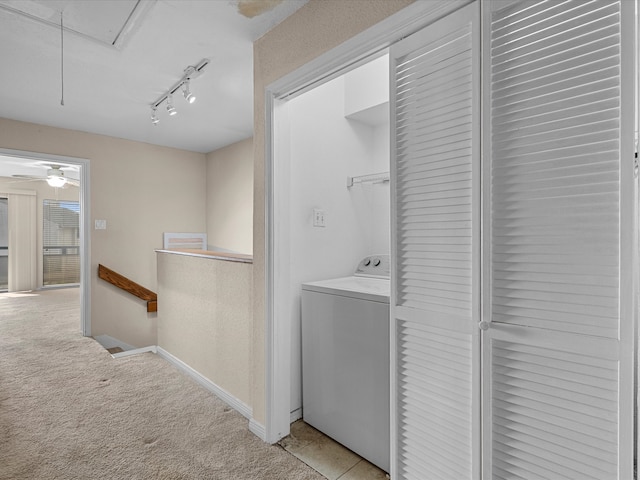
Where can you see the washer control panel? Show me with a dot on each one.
(373, 266)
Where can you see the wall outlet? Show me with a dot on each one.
(101, 224)
(319, 218)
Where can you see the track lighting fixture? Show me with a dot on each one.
(170, 108)
(185, 84)
(188, 96)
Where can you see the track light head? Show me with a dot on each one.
(154, 116)
(170, 108)
(188, 96)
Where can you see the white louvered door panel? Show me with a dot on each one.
(559, 168)
(436, 219)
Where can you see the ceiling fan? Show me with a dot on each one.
(55, 177)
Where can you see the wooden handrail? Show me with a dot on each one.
(120, 281)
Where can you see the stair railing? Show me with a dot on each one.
(120, 281)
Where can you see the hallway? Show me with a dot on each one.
(68, 410)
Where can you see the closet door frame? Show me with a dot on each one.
(329, 65)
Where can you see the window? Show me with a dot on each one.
(61, 242)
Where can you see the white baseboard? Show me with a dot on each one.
(258, 430)
(135, 351)
(221, 393)
(107, 341)
(296, 414)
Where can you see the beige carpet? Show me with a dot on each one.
(70, 411)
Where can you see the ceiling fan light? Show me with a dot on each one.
(56, 181)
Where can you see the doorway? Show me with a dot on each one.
(18, 157)
(339, 131)
(353, 53)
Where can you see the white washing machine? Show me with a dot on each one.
(345, 359)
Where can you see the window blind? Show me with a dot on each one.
(61, 242)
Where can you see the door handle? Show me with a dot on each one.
(484, 325)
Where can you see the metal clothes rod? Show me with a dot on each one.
(373, 178)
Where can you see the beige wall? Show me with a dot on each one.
(230, 197)
(43, 192)
(204, 318)
(313, 30)
(141, 190)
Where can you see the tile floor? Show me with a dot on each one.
(327, 456)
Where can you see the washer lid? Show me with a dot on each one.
(364, 288)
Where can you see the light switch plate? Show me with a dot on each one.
(101, 224)
(319, 218)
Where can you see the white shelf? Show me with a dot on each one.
(372, 178)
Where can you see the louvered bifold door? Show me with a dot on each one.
(435, 165)
(558, 354)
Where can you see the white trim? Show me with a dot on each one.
(136, 351)
(85, 221)
(628, 253)
(331, 64)
(107, 341)
(295, 415)
(486, 240)
(258, 430)
(274, 376)
(393, 255)
(359, 49)
(477, 248)
(636, 240)
(231, 257)
(238, 405)
(278, 348)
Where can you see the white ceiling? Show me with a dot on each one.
(109, 89)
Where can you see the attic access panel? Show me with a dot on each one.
(104, 21)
